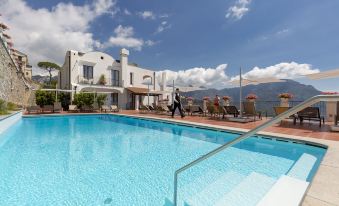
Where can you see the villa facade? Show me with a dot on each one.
(126, 84)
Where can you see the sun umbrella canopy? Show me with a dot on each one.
(324, 75)
(257, 81)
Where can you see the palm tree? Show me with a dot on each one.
(49, 66)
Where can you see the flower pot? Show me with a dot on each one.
(226, 102)
(251, 100)
(284, 102)
(204, 105)
(189, 102)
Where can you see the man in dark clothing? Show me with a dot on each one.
(177, 104)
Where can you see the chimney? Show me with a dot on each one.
(124, 66)
(163, 81)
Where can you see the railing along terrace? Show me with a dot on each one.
(97, 80)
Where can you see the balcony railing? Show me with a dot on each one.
(96, 80)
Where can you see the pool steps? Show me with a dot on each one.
(302, 167)
(213, 192)
(287, 191)
(249, 190)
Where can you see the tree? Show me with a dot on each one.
(49, 66)
(44, 98)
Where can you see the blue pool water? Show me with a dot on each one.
(112, 160)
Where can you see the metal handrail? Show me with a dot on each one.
(293, 110)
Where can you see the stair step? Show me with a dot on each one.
(200, 183)
(301, 169)
(215, 190)
(286, 191)
(248, 192)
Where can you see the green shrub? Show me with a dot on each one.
(3, 107)
(11, 106)
(82, 99)
(44, 98)
(101, 99)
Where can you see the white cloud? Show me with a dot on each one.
(124, 38)
(217, 77)
(239, 9)
(147, 15)
(127, 12)
(150, 43)
(198, 76)
(163, 26)
(47, 34)
(290, 70)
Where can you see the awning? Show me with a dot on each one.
(142, 91)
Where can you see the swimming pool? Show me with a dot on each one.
(116, 160)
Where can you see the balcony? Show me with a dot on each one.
(97, 81)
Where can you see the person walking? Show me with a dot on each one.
(177, 104)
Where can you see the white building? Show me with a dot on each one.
(126, 84)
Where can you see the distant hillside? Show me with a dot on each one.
(43, 79)
(265, 92)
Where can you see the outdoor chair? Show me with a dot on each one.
(33, 109)
(73, 108)
(280, 110)
(86, 108)
(311, 113)
(250, 110)
(231, 110)
(48, 108)
(114, 108)
(196, 109)
(143, 109)
(57, 107)
(105, 108)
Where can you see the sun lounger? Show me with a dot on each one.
(57, 107)
(73, 108)
(280, 110)
(105, 108)
(33, 109)
(231, 110)
(86, 108)
(48, 108)
(114, 108)
(250, 110)
(311, 113)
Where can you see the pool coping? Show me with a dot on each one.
(323, 190)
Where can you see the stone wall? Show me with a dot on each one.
(12, 88)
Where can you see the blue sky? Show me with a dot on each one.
(198, 33)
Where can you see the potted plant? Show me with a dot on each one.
(102, 80)
(227, 100)
(189, 101)
(205, 103)
(284, 97)
(251, 97)
(331, 107)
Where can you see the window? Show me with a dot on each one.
(88, 72)
(114, 97)
(115, 77)
(131, 78)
